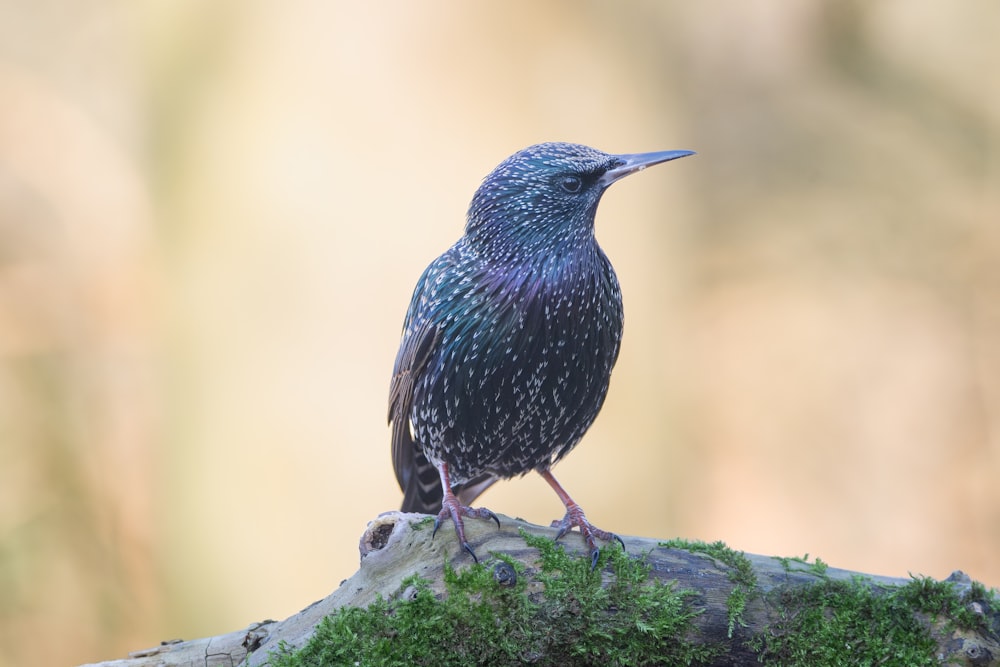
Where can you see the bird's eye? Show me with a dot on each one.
(571, 184)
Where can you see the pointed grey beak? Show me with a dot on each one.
(624, 165)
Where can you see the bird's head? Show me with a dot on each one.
(548, 193)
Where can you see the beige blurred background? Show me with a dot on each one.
(212, 216)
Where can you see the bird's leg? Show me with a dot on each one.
(575, 517)
(450, 507)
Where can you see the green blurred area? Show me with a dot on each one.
(212, 216)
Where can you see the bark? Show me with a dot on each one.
(397, 545)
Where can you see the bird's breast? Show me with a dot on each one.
(524, 364)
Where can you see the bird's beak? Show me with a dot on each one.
(624, 165)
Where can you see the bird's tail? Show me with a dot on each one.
(422, 491)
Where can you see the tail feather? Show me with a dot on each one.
(422, 491)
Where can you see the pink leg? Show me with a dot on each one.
(450, 507)
(576, 518)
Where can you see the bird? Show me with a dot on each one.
(510, 338)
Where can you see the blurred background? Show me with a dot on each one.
(212, 216)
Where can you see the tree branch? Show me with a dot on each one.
(743, 609)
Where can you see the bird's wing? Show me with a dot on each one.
(417, 477)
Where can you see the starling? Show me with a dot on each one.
(510, 337)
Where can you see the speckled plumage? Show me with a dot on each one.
(511, 334)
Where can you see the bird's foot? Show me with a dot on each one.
(575, 518)
(450, 507)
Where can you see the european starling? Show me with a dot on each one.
(510, 337)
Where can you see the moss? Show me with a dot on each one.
(491, 614)
(856, 622)
(818, 567)
(426, 522)
(740, 573)
(940, 599)
(824, 623)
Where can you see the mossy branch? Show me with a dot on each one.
(417, 600)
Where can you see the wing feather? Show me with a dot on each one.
(417, 477)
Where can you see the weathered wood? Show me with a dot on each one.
(397, 545)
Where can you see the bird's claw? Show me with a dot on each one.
(489, 515)
(451, 508)
(589, 532)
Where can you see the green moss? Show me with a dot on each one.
(855, 622)
(740, 573)
(825, 623)
(426, 522)
(940, 599)
(486, 616)
(817, 568)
